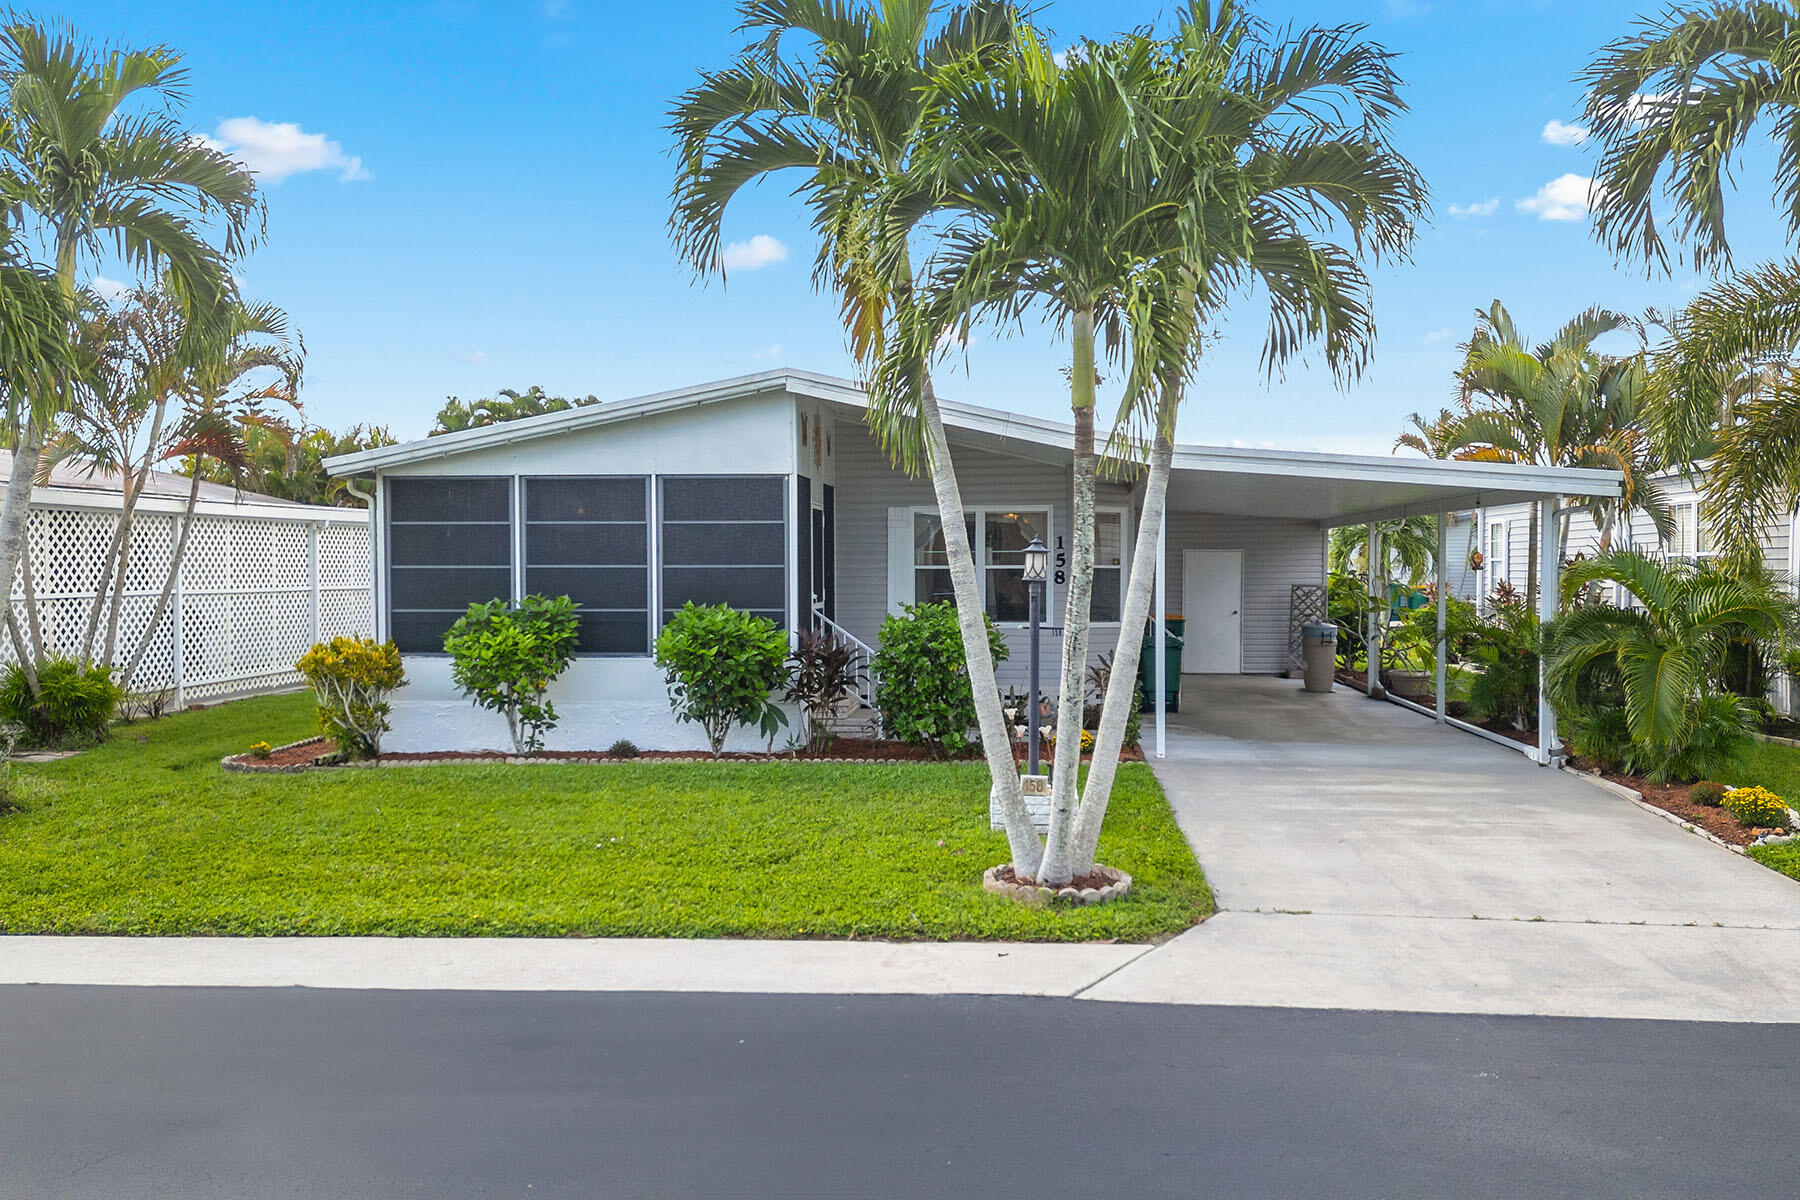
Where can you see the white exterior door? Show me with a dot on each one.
(1212, 600)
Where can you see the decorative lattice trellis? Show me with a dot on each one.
(251, 595)
(1306, 605)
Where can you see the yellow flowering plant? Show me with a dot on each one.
(351, 679)
(1756, 807)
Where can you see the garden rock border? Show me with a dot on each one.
(1037, 894)
(1631, 794)
(249, 764)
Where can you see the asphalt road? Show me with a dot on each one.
(121, 1092)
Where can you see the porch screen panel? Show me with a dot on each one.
(449, 546)
(724, 541)
(588, 538)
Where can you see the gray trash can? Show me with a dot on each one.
(1318, 644)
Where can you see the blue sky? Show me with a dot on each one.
(475, 197)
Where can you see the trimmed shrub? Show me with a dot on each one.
(74, 705)
(351, 680)
(722, 667)
(925, 696)
(1757, 807)
(505, 659)
(1707, 794)
(624, 748)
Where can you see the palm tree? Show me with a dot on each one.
(1561, 403)
(284, 459)
(1668, 654)
(1129, 190)
(506, 405)
(1409, 544)
(847, 114)
(83, 169)
(1670, 105)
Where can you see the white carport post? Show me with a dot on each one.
(1549, 585)
(1443, 547)
(1378, 612)
(1161, 618)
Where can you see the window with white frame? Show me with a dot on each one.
(1692, 536)
(998, 538)
(1109, 565)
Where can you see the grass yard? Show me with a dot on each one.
(147, 835)
(1777, 768)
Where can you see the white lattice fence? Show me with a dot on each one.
(252, 594)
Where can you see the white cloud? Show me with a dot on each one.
(1437, 336)
(1564, 198)
(108, 289)
(773, 351)
(1556, 133)
(474, 358)
(1481, 208)
(1647, 106)
(276, 149)
(759, 251)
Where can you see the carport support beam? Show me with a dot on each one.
(1161, 620)
(1378, 613)
(1443, 549)
(1549, 591)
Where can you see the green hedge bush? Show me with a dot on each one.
(925, 696)
(505, 659)
(722, 667)
(74, 705)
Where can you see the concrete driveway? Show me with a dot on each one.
(1363, 857)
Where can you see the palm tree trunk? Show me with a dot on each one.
(996, 738)
(26, 663)
(1058, 866)
(1121, 685)
(34, 623)
(168, 588)
(15, 512)
(109, 578)
(134, 491)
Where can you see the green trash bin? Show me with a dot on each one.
(1147, 666)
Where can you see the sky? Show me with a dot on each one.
(467, 195)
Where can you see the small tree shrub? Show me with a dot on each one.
(351, 680)
(505, 659)
(1756, 807)
(74, 705)
(925, 696)
(624, 748)
(1707, 794)
(824, 673)
(722, 667)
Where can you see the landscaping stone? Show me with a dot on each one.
(995, 880)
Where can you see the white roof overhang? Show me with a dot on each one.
(1330, 489)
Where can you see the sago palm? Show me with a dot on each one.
(834, 92)
(1670, 106)
(1668, 653)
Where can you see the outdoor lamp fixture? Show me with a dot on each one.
(1037, 572)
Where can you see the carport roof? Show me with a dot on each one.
(1331, 489)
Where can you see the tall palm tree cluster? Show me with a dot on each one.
(959, 171)
(97, 170)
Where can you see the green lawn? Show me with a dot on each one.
(1777, 768)
(147, 835)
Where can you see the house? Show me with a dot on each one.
(1505, 539)
(261, 580)
(768, 493)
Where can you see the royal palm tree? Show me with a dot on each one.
(1129, 190)
(836, 93)
(1670, 106)
(83, 164)
(1561, 403)
(1668, 653)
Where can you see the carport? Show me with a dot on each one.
(1330, 490)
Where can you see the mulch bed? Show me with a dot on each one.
(1672, 798)
(1093, 880)
(300, 755)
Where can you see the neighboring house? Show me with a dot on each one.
(1506, 539)
(262, 579)
(768, 493)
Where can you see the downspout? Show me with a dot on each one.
(368, 500)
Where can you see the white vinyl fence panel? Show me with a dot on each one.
(253, 592)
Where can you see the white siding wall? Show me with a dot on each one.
(1277, 555)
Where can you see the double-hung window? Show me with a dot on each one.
(1109, 565)
(449, 546)
(1692, 535)
(998, 538)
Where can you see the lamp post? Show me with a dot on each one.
(1037, 571)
